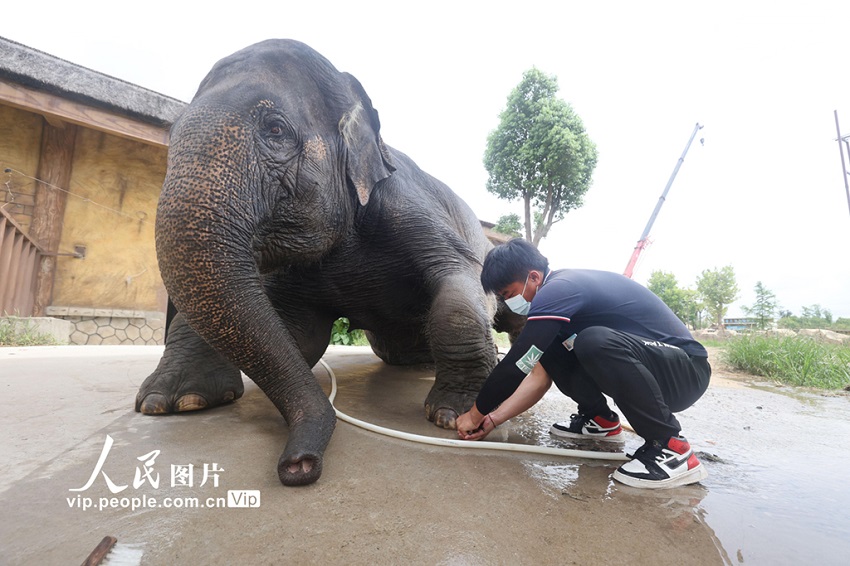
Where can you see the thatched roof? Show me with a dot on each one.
(44, 72)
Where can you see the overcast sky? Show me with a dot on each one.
(764, 193)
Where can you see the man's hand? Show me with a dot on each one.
(486, 427)
(469, 422)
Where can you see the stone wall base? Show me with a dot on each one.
(112, 326)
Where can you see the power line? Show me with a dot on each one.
(10, 170)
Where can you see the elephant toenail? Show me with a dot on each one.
(445, 418)
(191, 402)
(154, 404)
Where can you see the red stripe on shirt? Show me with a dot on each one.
(550, 317)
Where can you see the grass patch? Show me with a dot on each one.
(713, 342)
(791, 360)
(16, 331)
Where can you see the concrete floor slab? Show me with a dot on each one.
(382, 500)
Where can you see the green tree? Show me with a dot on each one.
(539, 153)
(693, 309)
(764, 307)
(817, 314)
(665, 286)
(683, 302)
(509, 225)
(813, 316)
(717, 289)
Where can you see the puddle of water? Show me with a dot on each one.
(532, 427)
(782, 495)
(776, 491)
(561, 476)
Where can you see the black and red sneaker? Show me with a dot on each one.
(654, 466)
(582, 426)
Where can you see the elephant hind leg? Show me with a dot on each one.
(190, 376)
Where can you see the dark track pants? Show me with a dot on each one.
(648, 380)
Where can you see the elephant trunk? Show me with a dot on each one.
(206, 229)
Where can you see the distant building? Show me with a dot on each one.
(740, 324)
(495, 238)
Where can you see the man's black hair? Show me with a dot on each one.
(511, 262)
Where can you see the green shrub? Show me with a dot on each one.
(343, 335)
(15, 331)
(502, 340)
(793, 360)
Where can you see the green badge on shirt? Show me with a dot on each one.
(529, 360)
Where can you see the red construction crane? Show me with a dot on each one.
(644, 238)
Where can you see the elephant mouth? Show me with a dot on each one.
(269, 256)
(264, 258)
(296, 245)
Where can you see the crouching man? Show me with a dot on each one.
(594, 333)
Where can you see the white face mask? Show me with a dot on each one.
(517, 303)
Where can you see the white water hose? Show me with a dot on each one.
(546, 450)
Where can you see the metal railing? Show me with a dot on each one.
(20, 258)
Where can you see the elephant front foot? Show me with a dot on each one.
(176, 387)
(442, 406)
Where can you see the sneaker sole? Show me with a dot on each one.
(691, 476)
(564, 434)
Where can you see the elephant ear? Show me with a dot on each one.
(367, 160)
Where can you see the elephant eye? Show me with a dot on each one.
(276, 128)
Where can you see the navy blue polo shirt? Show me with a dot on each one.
(571, 300)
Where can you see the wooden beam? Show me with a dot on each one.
(54, 107)
(54, 170)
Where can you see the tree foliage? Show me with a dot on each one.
(764, 308)
(539, 153)
(683, 302)
(509, 225)
(817, 313)
(717, 289)
(813, 316)
(343, 335)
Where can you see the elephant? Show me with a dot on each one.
(282, 210)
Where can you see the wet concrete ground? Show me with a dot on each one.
(776, 494)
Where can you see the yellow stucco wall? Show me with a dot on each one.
(115, 184)
(20, 144)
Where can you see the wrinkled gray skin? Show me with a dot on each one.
(283, 210)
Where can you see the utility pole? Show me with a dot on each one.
(845, 142)
(644, 238)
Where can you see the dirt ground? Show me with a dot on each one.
(776, 491)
